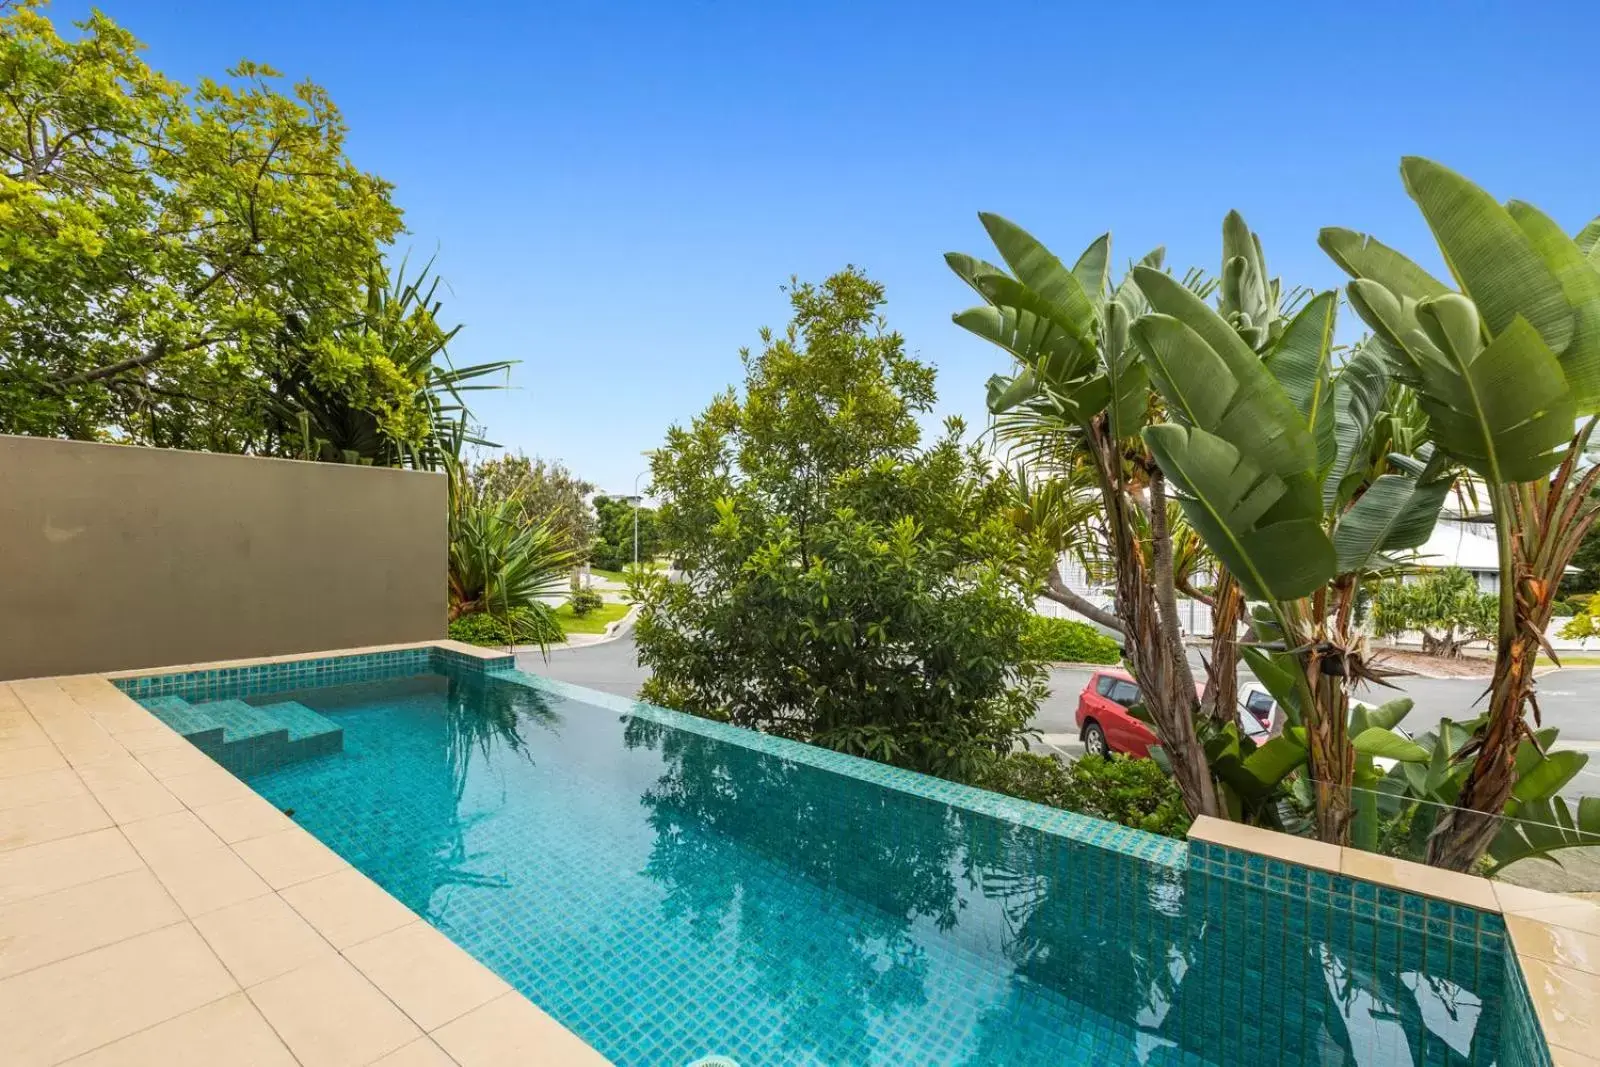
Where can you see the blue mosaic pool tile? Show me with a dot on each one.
(1152, 848)
(226, 683)
(1437, 918)
(1522, 1040)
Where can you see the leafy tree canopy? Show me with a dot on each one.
(842, 584)
(542, 492)
(1444, 605)
(614, 542)
(196, 267)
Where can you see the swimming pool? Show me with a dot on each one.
(671, 889)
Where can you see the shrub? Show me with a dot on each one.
(1067, 640)
(520, 626)
(1133, 792)
(584, 601)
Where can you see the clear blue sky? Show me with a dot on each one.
(617, 190)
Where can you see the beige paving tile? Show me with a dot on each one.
(204, 881)
(171, 762)
(330, 1016)
(1286, 847)
(52, 927)
(114, 773)
(49, 821)
(1574, 916)
(19, 731)
(30, 761)
(1515, 899)
(150, 739)
(1566, 1057)
(423, 1053)
(289, 857)
(430, 977)
(130, 803)
(244, 818)
(511, 1029)
(132, 985)
(55, 865)
(228, 1031)
(123, 719)
(261, 938)
(177, 833)
(88, 746)
(1555, 944)
(28, 789)
(1566, 1001)
(1466, 889)
(212, 786)
(348, 907)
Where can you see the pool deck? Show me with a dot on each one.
(154, 910)
(1556, 938)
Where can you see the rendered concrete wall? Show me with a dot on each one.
(114, 557)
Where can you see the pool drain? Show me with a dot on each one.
(715, 1061)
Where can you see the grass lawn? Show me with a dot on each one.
(1572, 659)
(593, 623)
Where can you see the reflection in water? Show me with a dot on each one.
(670, 896)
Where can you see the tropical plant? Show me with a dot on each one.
(1503, 369)
(840, 582)
(1443, 604)
(1076, 404)
(1261, 449)
(1407, 802)
(499, 563)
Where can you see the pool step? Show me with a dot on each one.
(248, 738)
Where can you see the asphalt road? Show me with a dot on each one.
(1570, 699)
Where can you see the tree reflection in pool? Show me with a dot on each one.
(668, 896)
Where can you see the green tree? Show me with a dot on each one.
(1444, 605)
(193, 268)
(545, 493)
(1503, 367)
(614, 540)
(841, 584)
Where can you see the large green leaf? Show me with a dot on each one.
(1547, 776)
(1543, 827)
(1505, 411)
(1282, 676)
(1230, 395)
(1388, 715)
(1588, 239)
(1006, 393)
(1129, 295)
(1366, 257)
(1125, 373)
(1091, 269)
(1040, 271)
(1488, 253)
(1301, 362)
(1230, 501)
(1580, 283)
(1379, 743)
(1394, 514)
(1358, 394)
(1036, 340)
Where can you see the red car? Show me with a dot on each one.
(1103, 719)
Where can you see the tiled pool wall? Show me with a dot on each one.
(1401, 931)
(1376, 936)
(255, 679)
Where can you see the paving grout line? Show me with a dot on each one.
(163, 1022)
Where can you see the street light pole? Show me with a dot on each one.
(636, 502)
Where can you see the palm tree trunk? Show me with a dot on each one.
(1056, 589)
(1221, 699)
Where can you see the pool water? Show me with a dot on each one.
(670, 895)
